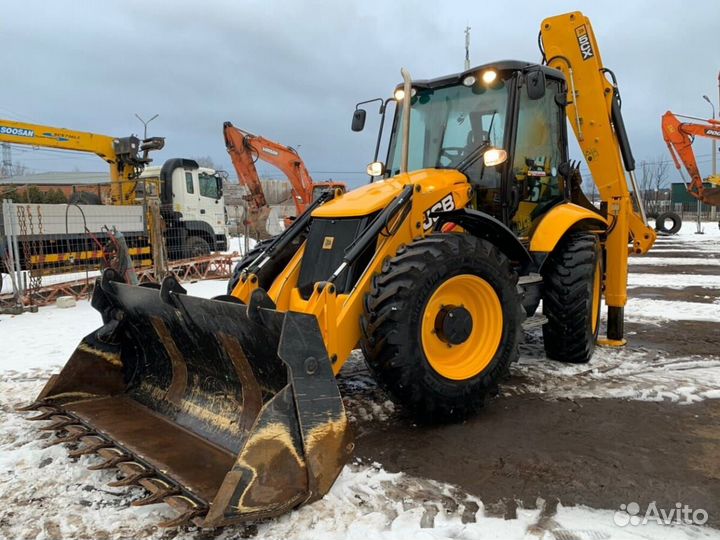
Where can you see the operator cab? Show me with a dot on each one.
(500, 124)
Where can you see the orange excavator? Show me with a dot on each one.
(245, 149)
(679, 137)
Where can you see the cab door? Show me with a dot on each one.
(540, 147)
(210, 200)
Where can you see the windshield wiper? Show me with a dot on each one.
(472, 157)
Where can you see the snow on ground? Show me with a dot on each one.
(671, 281)
(674, 261)
(46, 496)
(616, 373)
(236, 244)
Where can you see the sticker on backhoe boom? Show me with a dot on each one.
(584, 42)
(445, 204)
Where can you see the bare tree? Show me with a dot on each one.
(653, 180)
(205, 161)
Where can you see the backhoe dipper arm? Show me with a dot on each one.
(679, 137)
(593, 108)
(127, 156)
(284, 158)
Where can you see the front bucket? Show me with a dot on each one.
(225, 411)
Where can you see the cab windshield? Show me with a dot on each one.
(448, 124)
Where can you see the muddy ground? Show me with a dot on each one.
(596, 452)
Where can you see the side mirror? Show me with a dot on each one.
(358, 120)
(376, 168)
(494, 156)
(219, 187)
(535, 84)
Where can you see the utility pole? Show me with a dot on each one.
(467, 48)
(145, 123)
(6, 169)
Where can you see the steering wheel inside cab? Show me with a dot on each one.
(451, 156)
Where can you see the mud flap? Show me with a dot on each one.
(225, 416)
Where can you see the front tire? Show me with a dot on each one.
(442, 325)
(572, 297)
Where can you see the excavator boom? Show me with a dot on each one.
(679, 137)
(245, 149)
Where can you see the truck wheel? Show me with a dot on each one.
(270, 271)
(442, 325)
(674, 228)
(196, 246)
(572, 279)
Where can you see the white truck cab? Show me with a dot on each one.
(192, 205)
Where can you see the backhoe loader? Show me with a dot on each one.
(228, 409)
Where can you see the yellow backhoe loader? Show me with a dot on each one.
(228, 409)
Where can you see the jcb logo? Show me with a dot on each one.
(584, 42)
(445, 204)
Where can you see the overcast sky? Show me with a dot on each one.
(293, 71)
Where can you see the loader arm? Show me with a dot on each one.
(679, 137)
(593, 108)
(127, 156)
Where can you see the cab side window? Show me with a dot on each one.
(538, 153)
(208, 185)
(189, 185)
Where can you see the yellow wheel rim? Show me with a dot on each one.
(465, 294)
(597, 296)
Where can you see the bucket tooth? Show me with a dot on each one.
(189, 510)
(113, 456)
(34, 406)
(134, 472)
(159, 490)
(74, 433)
(61, 422)
(91, 448)
(49, 413)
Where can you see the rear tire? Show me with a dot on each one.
(196, 246)
(674, 228)
(572, 297)
(399, 349)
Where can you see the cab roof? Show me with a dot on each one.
(500, 66)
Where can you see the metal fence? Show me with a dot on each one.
(47, 250)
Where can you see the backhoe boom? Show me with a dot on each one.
(593, 108)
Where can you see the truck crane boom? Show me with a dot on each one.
(127, 156)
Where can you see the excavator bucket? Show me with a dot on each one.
(711, 196)
(225, 411)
